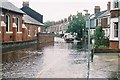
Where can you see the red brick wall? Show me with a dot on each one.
(11, 15)
(45, 37)
(104, 22)
(42, 29)
(114, 13)
(19, 36)
(10, 36)
(114, 44)
(32, 31)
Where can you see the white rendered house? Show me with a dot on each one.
(115, 24)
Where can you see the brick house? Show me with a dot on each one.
(58, 28)
(11, 22)
(115, 24)
(99, 18)
(32, 27)
(33, 14)
(105, 22)
(16, 25)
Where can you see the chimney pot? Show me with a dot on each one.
(97, 9)
(25, 3)
(108, 5)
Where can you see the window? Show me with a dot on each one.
(7, 21)
(28, 31)
(116, 29)
(35, 32)
(39, 29)
(116, 4)
(18, 24)
(99, 22)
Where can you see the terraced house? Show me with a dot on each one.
(100, 18)
(115, 24)
(109, 20)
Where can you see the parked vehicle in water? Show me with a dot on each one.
(68, 37)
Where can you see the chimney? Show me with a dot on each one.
(108, 5)
(97, 9)
(25, 3)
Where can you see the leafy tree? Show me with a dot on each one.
(99, 36)
(48, 24)
(77, 25)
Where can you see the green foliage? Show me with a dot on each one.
(102, 46)
(48, 24)
(99, 36)
(77, 25)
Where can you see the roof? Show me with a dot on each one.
(37, 16)
(30, 20)
(92, 16)
(105, 14)
(9, 6)
(99, 13)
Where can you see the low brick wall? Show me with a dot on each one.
(107, 50)
(114, 44)
(9, 46)
(45, 37)
(15, 45)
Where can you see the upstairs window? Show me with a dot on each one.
(99, 22)
(116, 29)
(7, 21)
(116, 4)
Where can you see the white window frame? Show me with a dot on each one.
(39, 29)
(115, 30)
(116, 4)
(18, 24)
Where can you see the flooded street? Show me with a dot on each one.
(58, 60)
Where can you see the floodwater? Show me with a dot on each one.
(58, 60)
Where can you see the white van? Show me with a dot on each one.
(68, 37)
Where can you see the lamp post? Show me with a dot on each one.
(119, 22)
(88, 26)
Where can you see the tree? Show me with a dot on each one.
(99, 36)
(76, 25)
(48, 24)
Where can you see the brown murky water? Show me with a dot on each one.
(58, 60)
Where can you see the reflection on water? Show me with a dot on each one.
(14, 56)
(59, 60)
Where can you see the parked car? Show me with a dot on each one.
(68, 37)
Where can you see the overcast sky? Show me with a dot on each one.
(55, 10)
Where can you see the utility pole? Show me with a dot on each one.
(118, 36)
(88, 26)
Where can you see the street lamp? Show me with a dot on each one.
(88, 26)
